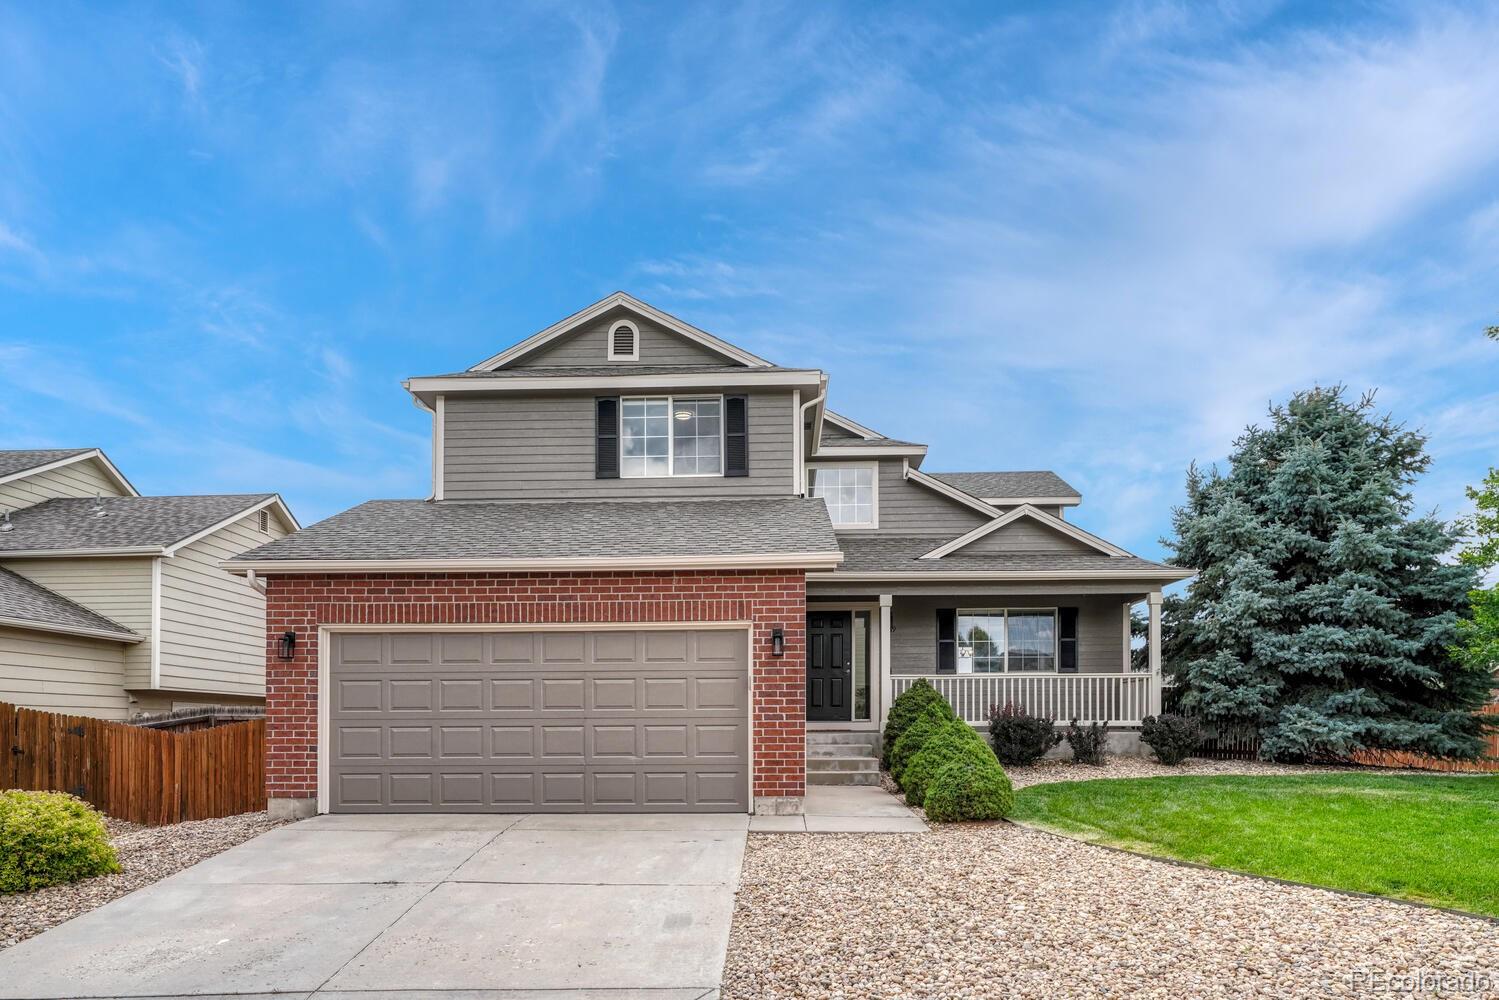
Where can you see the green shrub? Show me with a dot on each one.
(1088, 744)
(930, 722)
(906, 709)
(1172, 737)
(970, 786)
(1019, 739)
(48, 838)
(947, 744)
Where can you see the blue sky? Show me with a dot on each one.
(1094, 239)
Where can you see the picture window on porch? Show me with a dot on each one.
(1005, 640)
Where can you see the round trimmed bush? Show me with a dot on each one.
(969, 787)
(927, 725)
(48, 838)
(1174, 738)
(907, 707)
(951, 741)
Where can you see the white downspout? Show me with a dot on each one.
(801, 445)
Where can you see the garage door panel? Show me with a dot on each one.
(608, 720)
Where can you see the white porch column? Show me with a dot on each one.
(887, 682)
(1154, 600)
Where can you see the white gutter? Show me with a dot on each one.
(79, 630)
(783, 560)
(1017, 575)
(146, 550)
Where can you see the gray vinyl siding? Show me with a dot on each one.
(212, 634)
(541, 447)
(118, 589)
(907, 508)
(62, 673)
(1025, 535)
(79, 479)
(589, 347)
(1100, 628)
(833, 434)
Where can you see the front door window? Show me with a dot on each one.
(861, 666)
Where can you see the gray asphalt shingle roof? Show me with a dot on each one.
(902, 554)
(606, 371)
(126, 523)
(1008, 484)
(28, 601)
(421, 529)
(19, 460)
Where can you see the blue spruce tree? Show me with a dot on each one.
(1323, 615)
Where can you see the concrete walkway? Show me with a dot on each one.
(399, 906)
(844, 809)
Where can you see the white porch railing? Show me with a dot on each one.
(1122, 699)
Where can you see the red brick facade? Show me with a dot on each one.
(768, 598)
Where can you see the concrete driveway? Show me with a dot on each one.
(371, 907)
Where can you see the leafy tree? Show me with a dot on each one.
(1323, 614)
(1478, 645)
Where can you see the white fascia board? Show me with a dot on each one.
(123, 552)
(951, 492)
(1033, 501)
(1041, 517)
(1144, 576)
(785, 560)
(894, 451)
(602, 306)
(558, 383)
(78, 630)
(273, 501)
(853, 428)
(94, 453)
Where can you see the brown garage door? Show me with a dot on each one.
(604, 720)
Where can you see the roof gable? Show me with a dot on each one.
(73, 525)
(1007, 488)
(599, 317)
(25, 463)
(1041, 518)
(25, 603)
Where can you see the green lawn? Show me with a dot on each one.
(1431, 839)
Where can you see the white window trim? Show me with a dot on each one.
(671, 458)
(634, 342)
(874, 479)
(1056, 638)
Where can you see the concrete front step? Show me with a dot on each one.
(841, 750)
(842, 764)
(815, 738)
(843, 777)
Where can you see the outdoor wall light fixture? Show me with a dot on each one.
(288, 645)
(777, 642)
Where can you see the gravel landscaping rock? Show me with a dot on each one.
(987, 910)
(147, 854)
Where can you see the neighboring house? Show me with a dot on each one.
(112, 603)
(652, 567)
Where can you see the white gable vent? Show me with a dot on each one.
(624, 342)
(265, 522)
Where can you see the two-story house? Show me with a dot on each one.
(112, 603)
(651, 567)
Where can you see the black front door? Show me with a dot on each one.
(830, 666)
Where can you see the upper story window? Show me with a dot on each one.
(670, 436)
(624, 342)
(850, 491)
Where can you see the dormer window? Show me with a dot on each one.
(624, 342)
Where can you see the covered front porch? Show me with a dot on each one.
(1058, 651)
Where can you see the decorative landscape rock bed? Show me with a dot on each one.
(147, 854)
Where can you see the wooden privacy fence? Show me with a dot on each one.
(146, 776)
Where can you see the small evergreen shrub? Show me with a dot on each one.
(1088, 744)
(48, 838)
(906, 709)
(928, 724)
(952, 739)
(971, 786)
(1020, 739)
(1172, 737)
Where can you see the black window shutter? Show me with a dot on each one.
(947, 640)
(736, 435)
(1067, 640)
(606, 438)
